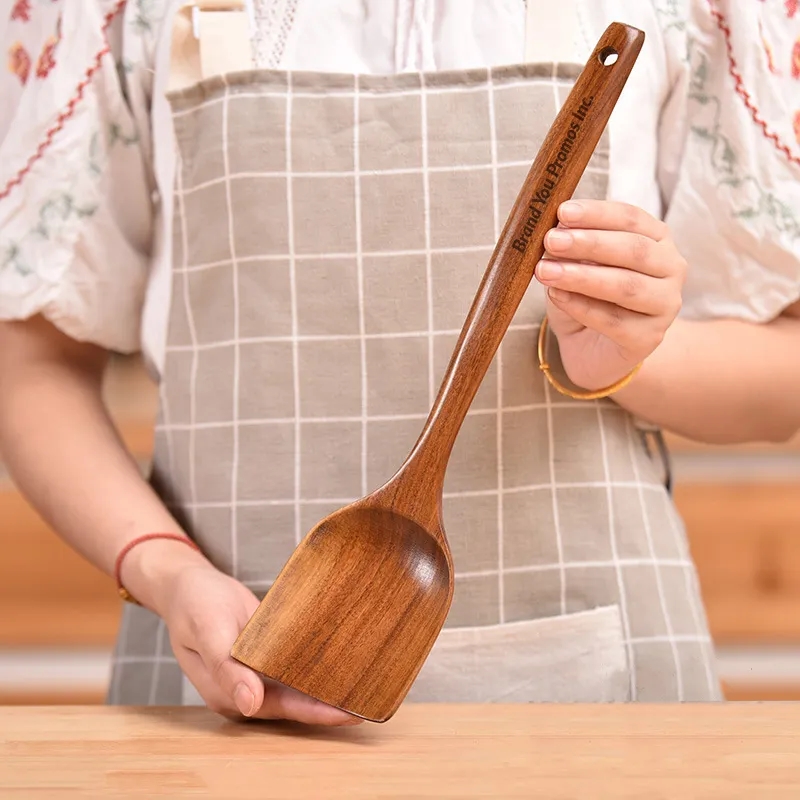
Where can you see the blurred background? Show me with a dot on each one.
(58, 615)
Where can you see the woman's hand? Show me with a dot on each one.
(65, 453)
(614, 281)
(204, 611)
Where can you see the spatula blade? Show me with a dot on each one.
(354, 613)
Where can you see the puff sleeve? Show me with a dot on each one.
(730, 155)
(76, 214)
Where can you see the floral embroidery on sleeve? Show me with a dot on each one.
(77, 163)
(19, 59)
(19, 62)
(765, 43)
(721, 19)
(791, 8)
(750, 197)
(47, 59)
(69, 202)
(21, 11)
(671, 15)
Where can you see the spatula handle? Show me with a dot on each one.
(552, 179)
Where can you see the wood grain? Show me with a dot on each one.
(354, 613)
(57, 696)
(728, 751)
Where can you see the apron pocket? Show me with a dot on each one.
(571, 658)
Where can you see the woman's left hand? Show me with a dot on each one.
(614, 279)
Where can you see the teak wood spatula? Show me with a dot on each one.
(358, 606)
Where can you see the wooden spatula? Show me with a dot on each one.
(356, 609)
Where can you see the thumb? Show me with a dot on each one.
(241, 684)
(244, 686)
(560, 322)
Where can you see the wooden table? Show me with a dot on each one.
(555, 751)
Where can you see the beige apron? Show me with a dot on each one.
(330, 233)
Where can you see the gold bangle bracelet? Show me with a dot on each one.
(586, 395)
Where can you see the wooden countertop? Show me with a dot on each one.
(726, 750)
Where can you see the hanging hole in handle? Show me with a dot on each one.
(608, 56)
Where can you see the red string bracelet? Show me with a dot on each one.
(123, 592)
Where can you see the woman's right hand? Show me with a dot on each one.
(204, 611)
(63, 451)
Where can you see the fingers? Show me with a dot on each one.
(207, 687)
(267, 700)
(282, 702)
(614, 279)
(617, 270)
(632, 251)
(610, 215)
(631, 331)
(230, 685)
(624, 287)
(615, 234)
(202, 634)
(239, 683)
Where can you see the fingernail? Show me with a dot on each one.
(558, 295)
(571, 211)
(549, 270)
(559, 240)
(245, 700)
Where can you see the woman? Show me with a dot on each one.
(294, 249)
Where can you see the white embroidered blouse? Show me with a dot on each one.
(705, 135)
